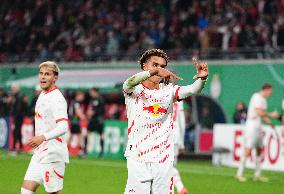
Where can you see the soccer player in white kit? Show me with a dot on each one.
(149, 99)
(179, 131)
(257, 112)
(47, 164)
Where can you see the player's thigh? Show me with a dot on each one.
(32, 177)
(139, 178)
(53, 176)
(249, 143)
(250, 138)
(163, 181)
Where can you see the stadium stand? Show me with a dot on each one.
(100, 30)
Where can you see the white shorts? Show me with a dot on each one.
(253, 137)
(50, 174)
(149, 177)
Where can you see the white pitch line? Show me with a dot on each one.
(275, 75)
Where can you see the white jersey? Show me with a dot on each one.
(283, 105)
(179, 124)
(256, 101)
(150, 121)
(50, 109)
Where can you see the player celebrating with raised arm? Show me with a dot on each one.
(149, 98)
(257, 112)
(47, 164)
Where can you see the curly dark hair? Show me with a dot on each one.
(153, 52)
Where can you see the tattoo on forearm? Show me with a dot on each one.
(131, 81)
(135, 80)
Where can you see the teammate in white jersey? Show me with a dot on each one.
(47, 164)
(149, 99)
(257, 112)
(179, 130)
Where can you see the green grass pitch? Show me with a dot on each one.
(101, 176)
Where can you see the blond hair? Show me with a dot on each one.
(50, 64)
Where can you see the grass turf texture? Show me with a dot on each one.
(100, 176)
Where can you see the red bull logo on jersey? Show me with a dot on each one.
(155, 110)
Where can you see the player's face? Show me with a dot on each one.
(153, 63)
(268, 92)
(47, 78)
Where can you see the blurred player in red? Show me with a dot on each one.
(47, 164)
(149, 97)
(179, 130)
(257, 112)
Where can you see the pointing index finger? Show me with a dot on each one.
(195, 62)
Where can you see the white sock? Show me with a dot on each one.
(26, 191)
(257, 166)
(242, 166)
(177, 180)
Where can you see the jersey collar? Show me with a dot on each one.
(54, 88)
(149, 88)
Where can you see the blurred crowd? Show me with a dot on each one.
(87, 110)
(76, 30)
(12, 102)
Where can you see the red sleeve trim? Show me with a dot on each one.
(59, 175)
(62, 119)
(176, 94)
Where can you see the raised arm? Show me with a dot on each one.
(134, 80)
(183, 92)
(138, 78)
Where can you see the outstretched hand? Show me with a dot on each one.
(201, 69)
